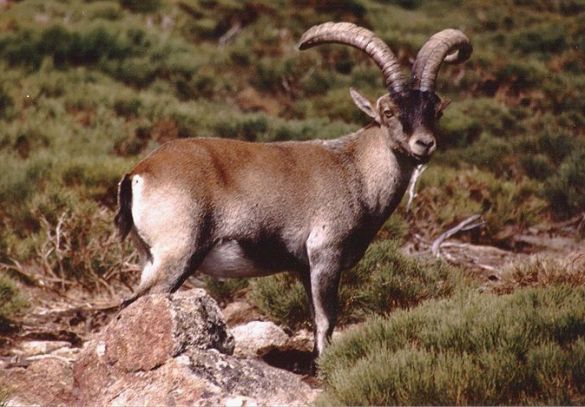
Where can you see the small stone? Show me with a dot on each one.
(257, 338)
(240, 401)
(302, 340)
(32, 348)
(239, 312)
(100, 349)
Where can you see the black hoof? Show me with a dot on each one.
(127, 302)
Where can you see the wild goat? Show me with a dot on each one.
(238, 209)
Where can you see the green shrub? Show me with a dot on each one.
(282, 297)
(544, 39)
(458, 128)
(523, 348)
(407, 4)
(249, 128)
(565, 190)
(395, 228)
(446, 197)
(82, 247)
(537, 166)
(108, 10)
(307, 129)
(556, 142)
(20, 177)
(141, 6)
(268, 76)
(522, 74)
(568, 7)
(343, 7)
(6, 103)
(127, 107)
(384, 279)
(224, 291)
(12, 303)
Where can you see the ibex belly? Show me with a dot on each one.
(231, 259)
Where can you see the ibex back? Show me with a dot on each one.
(236, 209)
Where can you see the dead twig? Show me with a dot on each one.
(468, 224)
(17, 268)
(231, 33)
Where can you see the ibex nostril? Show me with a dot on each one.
(425, 143)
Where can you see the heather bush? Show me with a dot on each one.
(522, 348)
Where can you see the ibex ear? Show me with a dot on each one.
(364, 104)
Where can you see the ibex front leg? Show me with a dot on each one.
(324, 283)
(325, 266)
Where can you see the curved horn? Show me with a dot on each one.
(451, 46)
(362, 39)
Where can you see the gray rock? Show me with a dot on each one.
(257, 338)
(175, 350)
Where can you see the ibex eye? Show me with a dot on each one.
(388, 113)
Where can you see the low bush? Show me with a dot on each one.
(249, 128)
(458, 128)
(522, 74)
(537, 166)
(141, 6)
(446, 196)
(281, 297)
(224, 290)
(522, 348)
(56, 219)
(544, 39)
(77, 246)
(542, 272)
(407, 4)
(463, 122)
(12, 303)
(565, 190)
(385, 279)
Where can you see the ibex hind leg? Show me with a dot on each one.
(162, 221)
(167, 270)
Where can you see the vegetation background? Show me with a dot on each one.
(87, 88)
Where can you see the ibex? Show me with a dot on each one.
(231, 208)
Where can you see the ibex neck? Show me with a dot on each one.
(384, 174)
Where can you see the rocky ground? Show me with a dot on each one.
(164, 350)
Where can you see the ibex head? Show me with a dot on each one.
(410, 111)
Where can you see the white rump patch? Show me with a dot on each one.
(137, 198)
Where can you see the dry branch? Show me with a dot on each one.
(468, 224)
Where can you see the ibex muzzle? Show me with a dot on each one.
(233, 209)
